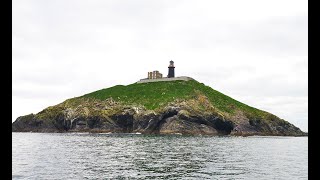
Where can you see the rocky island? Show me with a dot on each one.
(161, 107)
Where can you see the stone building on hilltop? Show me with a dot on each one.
(154, 75)
(158, 75)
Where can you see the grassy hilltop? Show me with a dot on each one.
(157, 94)
(186, 107)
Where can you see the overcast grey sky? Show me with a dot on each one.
(253, 51)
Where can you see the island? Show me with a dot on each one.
(157, 105)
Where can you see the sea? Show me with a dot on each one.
(138, 156)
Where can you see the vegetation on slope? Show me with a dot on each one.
(121, 108)
(158, 94)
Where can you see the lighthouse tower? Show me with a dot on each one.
(171, 70)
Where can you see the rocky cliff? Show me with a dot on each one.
(184, 107)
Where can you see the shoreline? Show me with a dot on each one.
(170, 134)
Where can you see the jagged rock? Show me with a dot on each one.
(195, 114)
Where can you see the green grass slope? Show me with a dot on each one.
(197, 102)
(158, 94)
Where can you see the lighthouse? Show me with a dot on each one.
(171, 70)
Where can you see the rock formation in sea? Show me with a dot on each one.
(168, 107)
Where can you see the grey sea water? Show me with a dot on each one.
(136, 156)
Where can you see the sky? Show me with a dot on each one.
(253, 51)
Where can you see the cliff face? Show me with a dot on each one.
(156, 108)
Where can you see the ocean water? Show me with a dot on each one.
(137, 156)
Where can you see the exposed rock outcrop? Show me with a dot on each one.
(179, 117)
